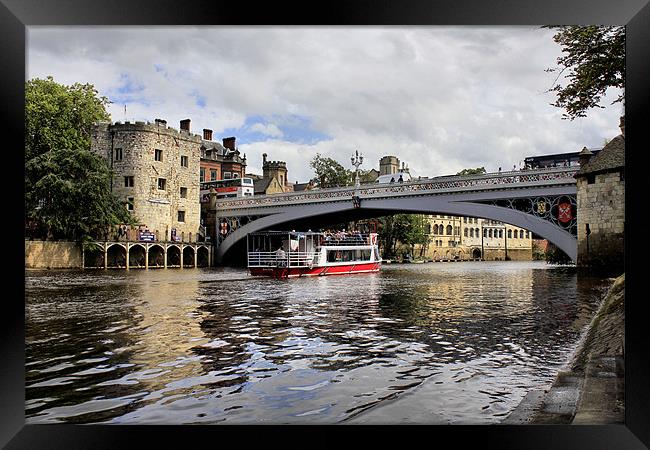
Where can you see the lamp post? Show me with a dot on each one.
(357, 160)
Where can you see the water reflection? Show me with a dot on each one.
(429, 343)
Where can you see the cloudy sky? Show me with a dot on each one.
(441, 99)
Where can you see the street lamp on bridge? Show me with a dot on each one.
(357, 160)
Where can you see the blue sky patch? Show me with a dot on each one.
(297, 129)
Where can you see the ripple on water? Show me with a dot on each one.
(428, 343)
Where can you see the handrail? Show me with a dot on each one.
(291, 259)
(492, 180)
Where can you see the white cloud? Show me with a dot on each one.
(439, 98)
(267, 129)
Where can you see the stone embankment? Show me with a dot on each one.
(591, 390)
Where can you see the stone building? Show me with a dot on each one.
(155, 172)
(601, 206)
(274, 179)
(454, 237)
(389, 165)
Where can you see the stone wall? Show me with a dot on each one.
(156, 208)
(52, 255)
(601, 205)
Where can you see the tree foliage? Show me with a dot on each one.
(67, 187)
(68, 195)
(594, 60)
(329, 173)
(477, 171)
(59, 116)
(407, 229)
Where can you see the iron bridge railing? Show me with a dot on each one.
(523, 178)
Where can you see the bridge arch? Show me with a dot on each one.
(408, 205)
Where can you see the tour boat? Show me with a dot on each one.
(284, 254)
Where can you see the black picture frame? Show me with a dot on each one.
(16, 15)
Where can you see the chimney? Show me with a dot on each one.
(622, 125)
(161, 122)
(185, 125)
(207, 134)
(229, 143)
(585, 155)
(263, 158)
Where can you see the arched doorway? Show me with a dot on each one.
(137, 256)
(173, 256)
(202, 257)
(156, 256)
(476, 253)
(116, 256)
(188, 257)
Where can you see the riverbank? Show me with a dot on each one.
(591, 390)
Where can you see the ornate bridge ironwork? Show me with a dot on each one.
(541, 200)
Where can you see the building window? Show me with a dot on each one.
(490, 233)
(183, 192)
(226, 175)
(235, 175)
(516, 234)
(201, 175)
(118, 154)
(527, 234)
(184, 160)
(213, 175)
(450, 230)
(181, 216)
(466, 233)
(128, 181)
(509, 234)
(162, 184)
(158, 155)
(591, 178)
(464, 219)
(500, 233)
(471, 232)
(129, 203)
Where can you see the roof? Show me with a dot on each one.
(300, 186)
(261, 185)
(611, 157)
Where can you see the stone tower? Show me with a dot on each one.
(601, 207)
(388, 165)
(155, 172)
(277, 169)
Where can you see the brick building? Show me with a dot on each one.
(220, 161)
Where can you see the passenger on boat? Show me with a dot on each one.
(281, 257)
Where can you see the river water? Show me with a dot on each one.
(436, 343)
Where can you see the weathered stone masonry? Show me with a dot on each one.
(601, 206)
(164, 192)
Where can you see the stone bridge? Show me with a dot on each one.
(542, 201)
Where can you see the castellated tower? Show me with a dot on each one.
(388, 165)
(277, 169)
(155, 172)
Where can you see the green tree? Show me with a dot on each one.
(68, 195)
(329, 173)
(477, 171)
(67, 187)
(594, 60)
(59, 116)
(407, 229)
